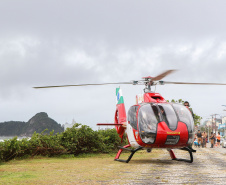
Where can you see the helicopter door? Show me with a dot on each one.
(148, 118)
(185, 116)
(168, 115)
(132, 131)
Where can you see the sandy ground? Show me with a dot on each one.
(209, 167)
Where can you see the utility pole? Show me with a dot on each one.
(214, 126)
(208, 127)
(208, 133)
(212, 121)
(224, 123)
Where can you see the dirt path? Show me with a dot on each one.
(209, 167)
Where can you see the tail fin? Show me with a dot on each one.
(120, 113)
(119, 97)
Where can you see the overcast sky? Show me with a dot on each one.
(53, 42)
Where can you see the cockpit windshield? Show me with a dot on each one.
(149, 115)
(148, 118)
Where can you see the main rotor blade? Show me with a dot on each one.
(81, 85)
(162, 75)
(190, 83)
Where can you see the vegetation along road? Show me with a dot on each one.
(209, 167)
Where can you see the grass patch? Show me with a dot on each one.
(69, 169)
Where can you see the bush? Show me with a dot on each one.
(79, 139)
(39, 144)
(110, 140)
(46, 144)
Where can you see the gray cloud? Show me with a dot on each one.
(129, 22)
(73, 42)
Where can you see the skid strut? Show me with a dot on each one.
(126, 148)
(190, 150)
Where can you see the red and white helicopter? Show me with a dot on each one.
(152, 122)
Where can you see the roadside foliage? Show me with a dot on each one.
(77, 140)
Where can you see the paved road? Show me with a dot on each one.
(209, 167)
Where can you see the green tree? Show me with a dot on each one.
(197, 120)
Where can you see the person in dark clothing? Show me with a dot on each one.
(212, 138)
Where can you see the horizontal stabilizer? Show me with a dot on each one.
(109, 124)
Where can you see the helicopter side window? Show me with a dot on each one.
(168, 115)
(148, 118)
(132, 116)
(163, 113)
(184, 115)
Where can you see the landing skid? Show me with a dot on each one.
(126, 148)
(190, 150)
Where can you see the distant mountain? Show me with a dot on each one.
(37, 123)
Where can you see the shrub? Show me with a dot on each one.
(79, 139)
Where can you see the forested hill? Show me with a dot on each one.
(37, 123)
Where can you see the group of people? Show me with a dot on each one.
(201, 138)
(213, 139)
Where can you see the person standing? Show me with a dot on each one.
(212, 139)
(204, 139)
(199, 136)
(186, 104)
(218, 139)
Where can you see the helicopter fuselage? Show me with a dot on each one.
(155, 123)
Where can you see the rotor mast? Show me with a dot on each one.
(148, 83)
